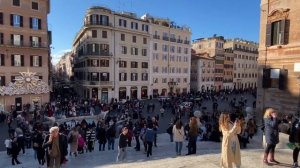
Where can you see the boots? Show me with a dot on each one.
(272, 160)
(266, 159)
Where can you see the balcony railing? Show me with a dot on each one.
(89, 23)
(245, 50)
(30, 44)
(186, 42)
(98, 83)
(166, 38)
(156, 37)
(173, 40)
(100, 53)
(172, 83)
(179, 41)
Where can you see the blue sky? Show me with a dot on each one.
(229, 18)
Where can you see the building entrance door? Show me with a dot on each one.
(18, 103)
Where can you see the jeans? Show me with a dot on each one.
(178, 147)
(102, 146)
(111, 143)
(171, 137)
(192, 145)
(121, 154)
(149, 148)
(137, 143)
(295, 154)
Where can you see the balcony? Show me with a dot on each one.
(98, 83)
(173, 40)
(179, 41)
(100, 53)
(186, 42)
(172, 83)
(89, 23)
(166, 38)
(245, 50)
(156, 37)
(32, 44)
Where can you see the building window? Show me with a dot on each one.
(134, 39)
(275, 78)
(104, 63)
(35, 23)
(165, 48)
(144, 76)
(104, 49)
(36, 61)
(16, 2)
(155, 80)
(144, 40)
(164, 80)
(104, 76)
(155, 46)
(186, 50)
(104, 34)
(16, 20)
(94, 76)
(122, 23)
(165, 57)
(1, 18)
(172, 49)
(94, 33)
(134, 25)
(122, 76)
(35, 41)
(16, 39)
(144, 64)
(144, 52)
(122, 64)
(179, 50)
(134, 51)
(35, 5)
(134, 64)
(122, 37)
(17, 60)
(2, 80)
(277, 33)
(123, 49)
(145, 27)
(134, 76)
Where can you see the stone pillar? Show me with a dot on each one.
(128, 92)
(139, 92)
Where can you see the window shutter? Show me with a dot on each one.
(282, 30)
(2, 60)
(266, 78)
(98, 63)
(30, 39)
(40, 61)
(120, 74)
(125, 23)
(31, 60)
(283, 79)
(22, 38)
(97, 48)
(12, 60)
(11, 39)
(286, 31)
(99, 20)
(1, 18)
(88, 63)
(21, 21)
(131, 25)
(11, 19)
(3, 80)
(22, 60)
(40, 24)
(30, 22)
(268, 34)
(120, 22)
(125, 77)
(40, 42)
(91, 19)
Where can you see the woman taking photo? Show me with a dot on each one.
(271, 135)
(230, 142)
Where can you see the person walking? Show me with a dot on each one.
(7, 144)
(56, 148)
(192, 136)
(111, 135)
(230, 152)
(38, 140)
(294, 139)
(271, 135)
(90, 138)
(15, 149)
(123, 141)
(101, 137)
(178, 133)
(149, 138)
(73, 141)
(136, 133)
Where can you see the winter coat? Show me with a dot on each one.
(295, 132)
(178, 134)
(74, 143)
(230, 141)
(101, 135)
(271, 131)
(63, 147)
(149, 135)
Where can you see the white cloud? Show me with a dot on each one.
(56, 56)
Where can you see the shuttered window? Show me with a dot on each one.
(277, 33)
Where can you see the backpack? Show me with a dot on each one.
(293, 131)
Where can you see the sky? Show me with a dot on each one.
(228, 18)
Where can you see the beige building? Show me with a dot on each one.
(202, 72)
(25, 53)
(112, 56)
(170, 60)
(64, 67)
(279, 53)
(245, 62)
(214, 47)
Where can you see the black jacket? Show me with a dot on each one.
(63, 147)
(123, 141)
